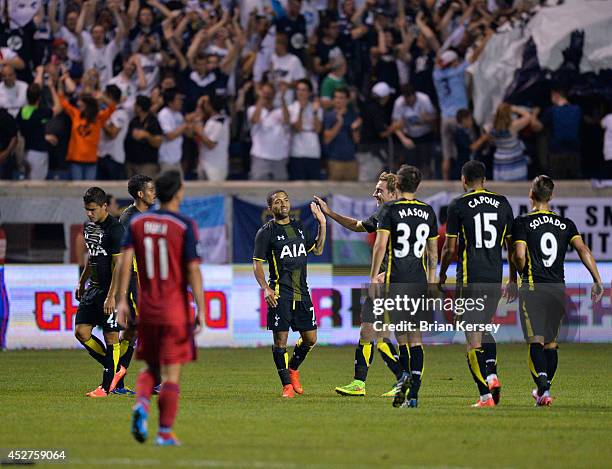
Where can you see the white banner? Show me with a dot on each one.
(43, 308)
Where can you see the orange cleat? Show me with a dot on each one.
(288, 391)
(294, 376)
(120, 374)
(488, 403)
(98, 392)
(495, 388)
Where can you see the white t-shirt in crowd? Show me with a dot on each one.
(304, 144)
(99, 58)
(289, 69)
(606, 123)
(270, 136)
(128, 87)
(114, 147)
(13, 99)
(170, 151)
(74, 51)
(414, 126)
(150, 66)
(214, 161)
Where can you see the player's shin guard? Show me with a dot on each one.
(477, 366)
(126, 353)
(96, 349)
(404, 358)
(537, 367)
(552, 359)
(111, 360)
(390, 357)
(145, 382)
(281, 360)
(299, 354)
(363, 359)
(168, 406)
(490, 352)
(417, 360)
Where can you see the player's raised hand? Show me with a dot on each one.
(109, 305)
(597, 291)
(322, 205)
(270, 297)
(317, 213)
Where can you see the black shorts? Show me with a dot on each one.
(542, 310)
(485, 298)
(91, 311)
(299, 315)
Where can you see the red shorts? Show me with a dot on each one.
(165, 344)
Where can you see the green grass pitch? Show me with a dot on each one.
(231, 413)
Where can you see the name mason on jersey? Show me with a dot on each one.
(546, 219)
(483, 199)
(413, 212)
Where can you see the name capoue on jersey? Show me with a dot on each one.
(285, 248)
(410, 224)
(481, 220)
(547, 236)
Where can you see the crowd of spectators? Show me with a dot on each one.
(258, 89)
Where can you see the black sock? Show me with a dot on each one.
(96, 349)
(552, 359)
(404, 358)
(490, 352)
(363, 359)
(281, 360)
(111, 360)
(389, 355)
(127, 350)
(537, 366)
(416, 370)
(299, 354)
(477, 366)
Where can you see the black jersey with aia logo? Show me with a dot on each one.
(103, 241)
(547, 236)
(285, 248)
(481, 220)
(410, 224)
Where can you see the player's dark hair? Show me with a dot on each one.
(167, 185)
(542, 188)
(408, 178)
(95, 195)
(271, 194)
(33, 93)
(390, 179)
(109, 198)
(137, 183)
(473, 171)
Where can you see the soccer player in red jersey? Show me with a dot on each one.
(165, 245)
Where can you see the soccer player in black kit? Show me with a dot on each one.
(142, 190)
(284, 244)
(385, 191)
(408, 231)
(482, 222)
(541, 239)
(103, 234)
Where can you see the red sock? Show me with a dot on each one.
(144, 387)
(168, 405)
